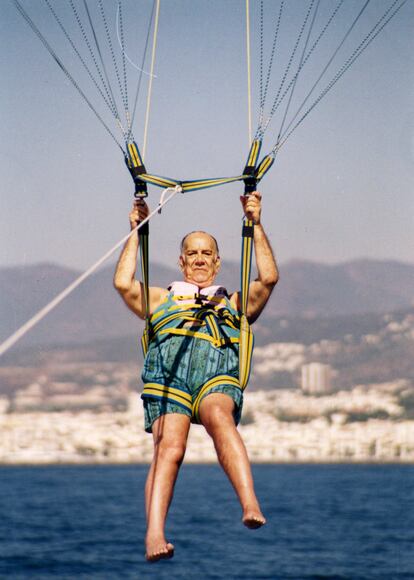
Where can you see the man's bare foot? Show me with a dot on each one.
(253, 519)
(158, 549)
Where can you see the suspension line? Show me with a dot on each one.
(249, 83)
(154, 47)
(142, 65)
(78, 54)
(263, 92)
(287, 69)
(52, 53)
(295, 78)
(106, 84)
(372, 34)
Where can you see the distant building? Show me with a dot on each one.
(316, 378)
(134, 404)
(4, 405)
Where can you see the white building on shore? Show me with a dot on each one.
(316, 378)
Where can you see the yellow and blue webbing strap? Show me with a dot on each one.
(264, 166)
(159, 391)
(208, 386)
(256, 172)
(254, 153)
(253, 176)
(194, 185)
(144, 243)
(198, 184)
(159, 180)
(246, 335)
(249, 171)
(136, 167)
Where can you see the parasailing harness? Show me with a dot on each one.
(252, 174)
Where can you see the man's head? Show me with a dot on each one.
(199, 260)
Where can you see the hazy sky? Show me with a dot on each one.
(341, 188)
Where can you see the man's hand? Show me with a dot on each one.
(261, 288)
(138, 213)
(252, 206)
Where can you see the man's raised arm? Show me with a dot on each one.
(124, 279)
(268, 274)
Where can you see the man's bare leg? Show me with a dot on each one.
(216, 414)
(170, 434)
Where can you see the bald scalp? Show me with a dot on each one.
(199, 232)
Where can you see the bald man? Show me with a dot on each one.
(191, 368)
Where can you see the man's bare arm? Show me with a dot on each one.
(129, 288)
(268, 274)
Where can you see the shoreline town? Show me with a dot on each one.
(365, 424)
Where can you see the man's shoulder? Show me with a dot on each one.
(234, 299)
(157, 296)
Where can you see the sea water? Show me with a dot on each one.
(339, 522)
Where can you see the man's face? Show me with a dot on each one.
(199, 261)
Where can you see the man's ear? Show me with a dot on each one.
(218, 263)
(181, 262)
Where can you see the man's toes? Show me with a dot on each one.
(166, 552)
(170, 550)
(155, 556)
(254, 522)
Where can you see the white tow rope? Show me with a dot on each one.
(166, 196)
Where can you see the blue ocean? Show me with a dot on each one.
(342, 522)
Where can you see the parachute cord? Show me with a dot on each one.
(309, 54)
(376, 29)
(124, 52)
(109, 96)
(263, 93)
(52, 53)
(114, 62)
(348, 32)
(20, 332)
(295, 78)
(121, 28)
(249, 82)
(78, 54)
(154, 47)
(292, 56)
(142, 66)
(261, 102)
(98, 48)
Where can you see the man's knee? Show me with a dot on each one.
(216, 411)
(170, 450)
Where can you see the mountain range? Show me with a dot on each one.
(94, 312)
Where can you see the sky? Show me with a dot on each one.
(341, 187)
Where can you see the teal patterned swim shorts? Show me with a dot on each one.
(185, 364)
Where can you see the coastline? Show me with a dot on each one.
(118, 438)
(321, 463)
